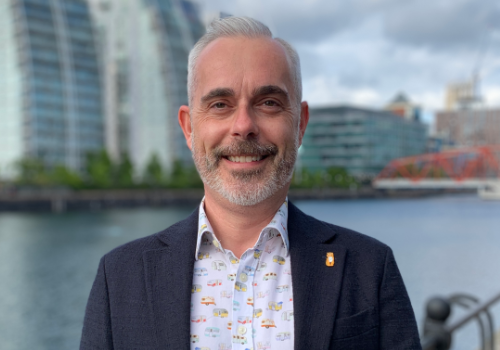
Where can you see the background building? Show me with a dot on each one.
(402, 107)
(360, 140)
(50, 93)
(469, 127)
(144, 47)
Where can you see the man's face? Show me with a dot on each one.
(245, 124)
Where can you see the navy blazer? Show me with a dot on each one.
(141, 296)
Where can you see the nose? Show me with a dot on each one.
(244, 124)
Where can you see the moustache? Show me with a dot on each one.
(244, 148)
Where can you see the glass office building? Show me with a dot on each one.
(360, 140)
(50, 91)
(144, 47)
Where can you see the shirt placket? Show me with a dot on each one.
(244, 297)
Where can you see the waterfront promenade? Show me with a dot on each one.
(66, 200)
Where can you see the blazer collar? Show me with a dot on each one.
(169, 278)
(316, 287)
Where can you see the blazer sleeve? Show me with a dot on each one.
(398, 329)
(96, 334)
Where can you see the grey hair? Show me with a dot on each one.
(246, 27)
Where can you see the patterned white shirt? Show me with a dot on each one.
(243, 304)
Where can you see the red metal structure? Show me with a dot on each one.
(473, 163)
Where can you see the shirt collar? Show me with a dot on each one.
(277, 226)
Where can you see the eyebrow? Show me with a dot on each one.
(219, 92)
(270, 90)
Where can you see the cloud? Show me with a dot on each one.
(443, 24)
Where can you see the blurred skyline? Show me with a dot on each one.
(364, 52)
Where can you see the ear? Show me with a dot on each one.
(304, 119)
(185, 123)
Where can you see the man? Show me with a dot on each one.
(248, 270)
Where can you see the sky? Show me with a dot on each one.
(364, 52)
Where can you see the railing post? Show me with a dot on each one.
(435, 334)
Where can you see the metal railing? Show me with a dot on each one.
(437, 333)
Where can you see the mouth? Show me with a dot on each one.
(245, 158)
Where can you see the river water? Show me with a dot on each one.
(443, 245)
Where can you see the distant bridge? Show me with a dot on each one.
(464, 168)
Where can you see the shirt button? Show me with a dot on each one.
(242, 330)
(243, 277)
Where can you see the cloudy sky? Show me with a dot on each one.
(363, 52)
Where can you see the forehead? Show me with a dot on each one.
(242, 64)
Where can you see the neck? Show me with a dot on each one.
(238, 227)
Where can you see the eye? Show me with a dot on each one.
(270, 103)
(219, 105)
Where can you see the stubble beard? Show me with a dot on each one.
(246, 188)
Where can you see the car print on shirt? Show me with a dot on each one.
(241, 287)
(212, 332)
(234, 260)
(200, 271)
(257, 253)
(199, 319)
(202, 256)
(220, 313)
(269, 276)
(236, 305)
(283, 336)
(223, 346)
(267, 322)
(287, 315)
(229, 325)
(287, 272)
(283, 288)
(250, 301)
(196, 288)
(249, 270)
(275, 306)
(194, 338)
(261, 266)
(226, 294)
(202, 227)
(263, 345)
(231, 277)
(244, 319)
(279, 259)
(261, 294)
(239, 339)
(208, 301)
(202, 348)
(218, 265)
(269, 248)
(257, 313)
(213, 283)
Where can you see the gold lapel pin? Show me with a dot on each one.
(330, 260)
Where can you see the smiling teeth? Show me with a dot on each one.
(244, 159)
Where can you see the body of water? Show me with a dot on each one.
(443, 245)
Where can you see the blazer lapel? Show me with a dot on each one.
(169, 278)
(316, 287)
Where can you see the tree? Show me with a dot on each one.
(153, 175)
(99, 170)
(62, 176)
(125, 172)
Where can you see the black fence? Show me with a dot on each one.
(438, 332)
